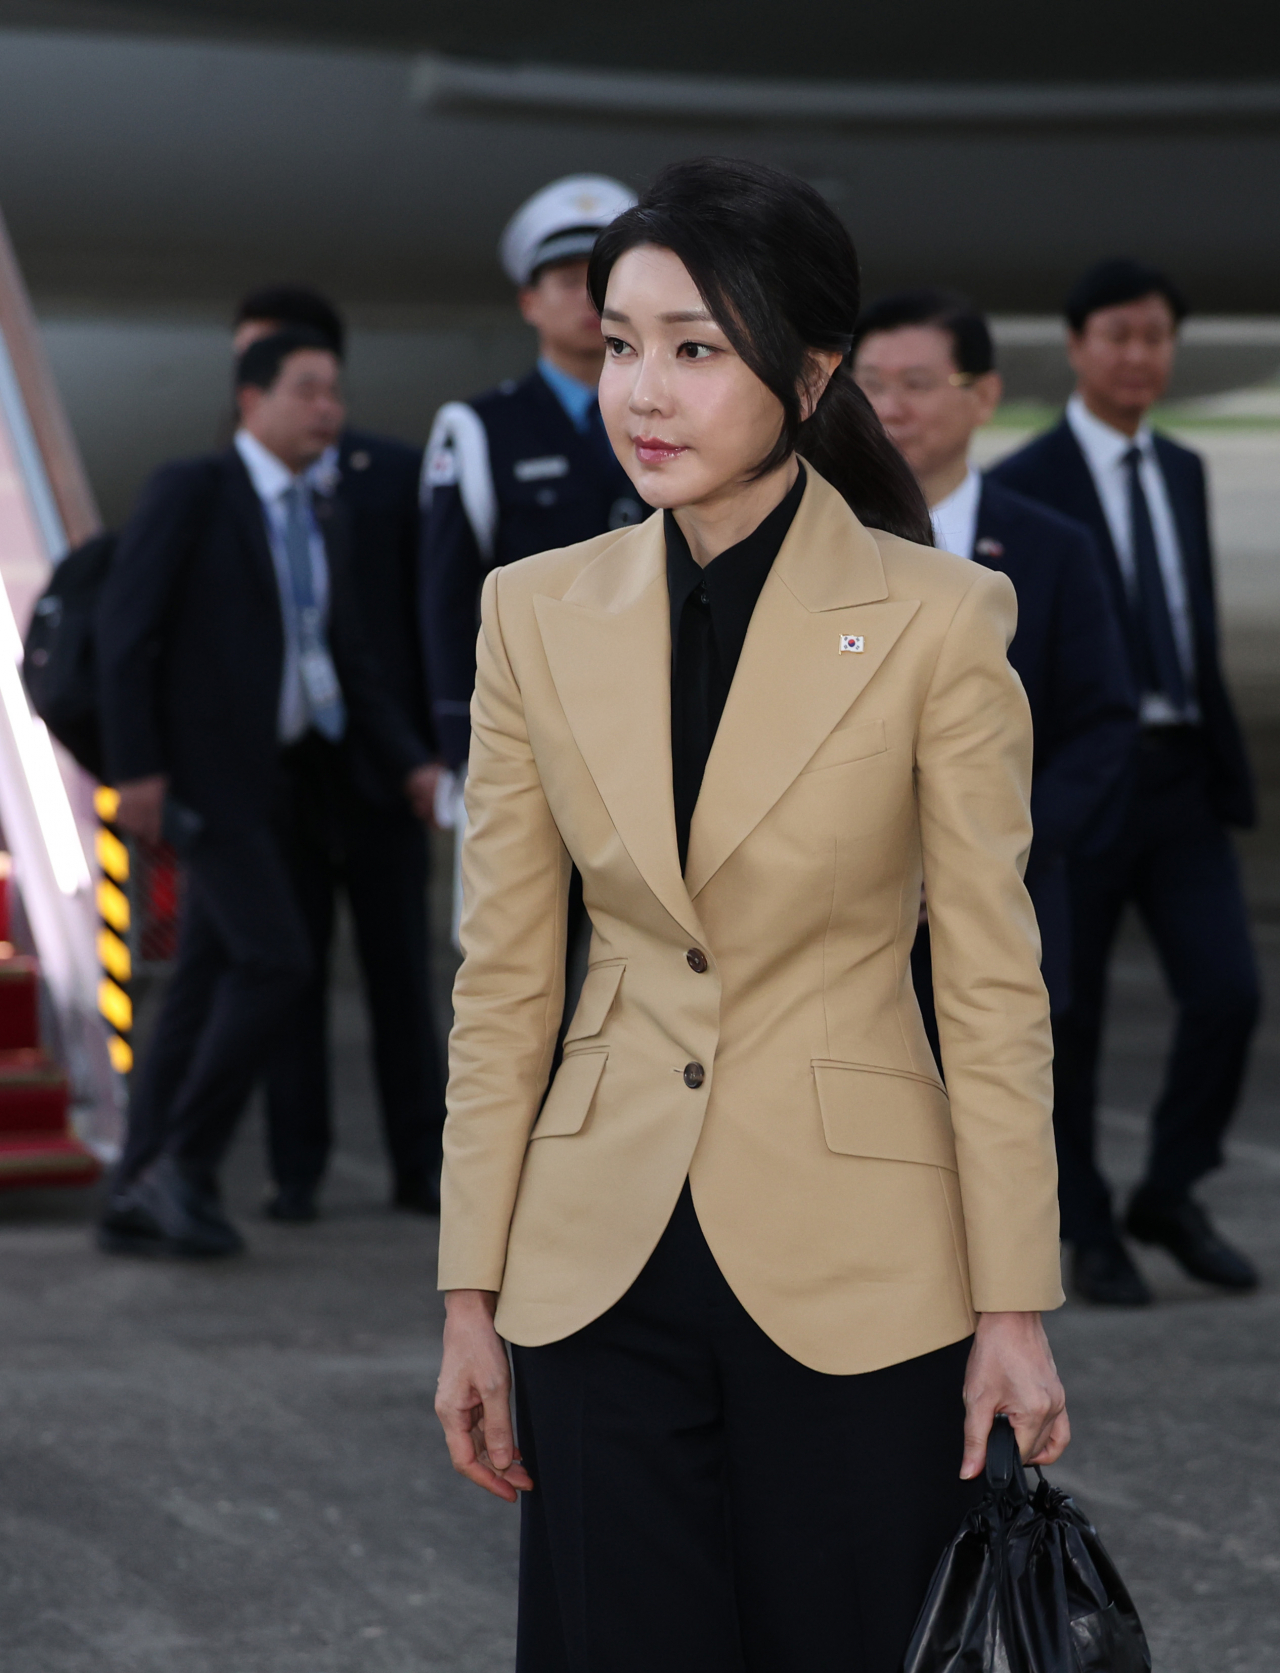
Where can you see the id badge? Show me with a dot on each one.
(318, 679)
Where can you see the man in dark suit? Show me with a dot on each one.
(1143, 498)
(926, 362)
(380, 856)
(234, 681)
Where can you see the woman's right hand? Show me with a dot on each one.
(473, 1397)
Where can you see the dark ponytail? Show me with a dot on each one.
(778, 271)
(847, 443)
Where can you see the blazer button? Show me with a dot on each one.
(694, 1075)
(697, 960)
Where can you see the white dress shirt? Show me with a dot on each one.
(1104, 450)
(271, 480)
(955, 519)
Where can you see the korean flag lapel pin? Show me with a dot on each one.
(851, 642)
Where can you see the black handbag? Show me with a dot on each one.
(1026, 1586)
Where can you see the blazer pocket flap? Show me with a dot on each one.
(885, 1113)
(569, 1101)
(849, 743)
(599, 990)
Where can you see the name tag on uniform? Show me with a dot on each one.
(541, 470)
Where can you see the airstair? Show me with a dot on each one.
(64, 1017)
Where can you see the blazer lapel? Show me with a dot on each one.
(1079, 496)
(988, 547)
(251, 522)
(1086, 507)
(793, 683)
(1083, 503)
(608, 645)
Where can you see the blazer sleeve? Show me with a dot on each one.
(451, 577)
(973, 774)
(132, 610)
(509, 995)
(1092, 710)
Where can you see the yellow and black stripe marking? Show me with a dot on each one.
(113, 947)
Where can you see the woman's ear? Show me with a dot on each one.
(819, 373)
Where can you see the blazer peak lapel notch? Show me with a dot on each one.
(794, 683)
(608, 646)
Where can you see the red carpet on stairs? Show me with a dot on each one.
(37, 1146)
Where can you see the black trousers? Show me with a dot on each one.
(1175, 863)
(334, 839)
(703, 1503)
(243, 959)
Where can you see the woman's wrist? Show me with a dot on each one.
(1009, 1323)
(471, 1304)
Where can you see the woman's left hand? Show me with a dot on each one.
(1011, 1370)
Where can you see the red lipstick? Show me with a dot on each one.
(652, 450)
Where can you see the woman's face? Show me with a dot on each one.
(687, 418)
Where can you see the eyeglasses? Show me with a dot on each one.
(914, 382)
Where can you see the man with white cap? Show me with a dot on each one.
(526, 466)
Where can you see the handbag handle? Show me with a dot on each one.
(1004, 1462)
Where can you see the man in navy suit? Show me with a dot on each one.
(379, 856)
(237, 688)
(925, 360)
(1188, 779)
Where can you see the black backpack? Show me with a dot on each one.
(58, 663)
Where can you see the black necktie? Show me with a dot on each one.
(1163, 667)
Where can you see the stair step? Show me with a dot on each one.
(33, 1093)
(19, 1003)
(6, 895)
(30, 1159)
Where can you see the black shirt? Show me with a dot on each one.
(711, 610)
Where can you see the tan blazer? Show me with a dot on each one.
(874, 733)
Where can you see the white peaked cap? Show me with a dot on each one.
(561, 222)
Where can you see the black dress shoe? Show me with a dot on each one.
(1103, 1272)
(418, 1194)
(126, 1228)
(294, 1205)
(186, 1210)
(1185, 1230)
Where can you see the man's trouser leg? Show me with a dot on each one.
(244, 960)
(298, 1095)
(1098, 890)
(386, 875)
(1189, 894)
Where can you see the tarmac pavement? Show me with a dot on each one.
(235, 1468)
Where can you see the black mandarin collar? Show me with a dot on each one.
(732, 581)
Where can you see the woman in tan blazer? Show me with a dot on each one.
(766, 1282)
